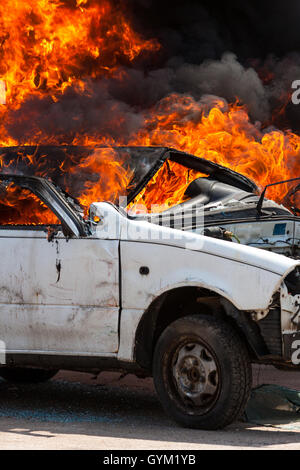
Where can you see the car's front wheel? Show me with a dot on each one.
(26, 375)
(202, 372)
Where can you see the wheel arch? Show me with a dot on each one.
(182, 301)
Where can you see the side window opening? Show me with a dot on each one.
(19, 206)
(166, 189)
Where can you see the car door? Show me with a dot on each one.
(58, 294)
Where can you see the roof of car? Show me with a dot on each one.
(144, 161)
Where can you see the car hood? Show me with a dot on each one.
(142, 231)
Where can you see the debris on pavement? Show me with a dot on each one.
(274, 405)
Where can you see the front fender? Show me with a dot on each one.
(246, 286)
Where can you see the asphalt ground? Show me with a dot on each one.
(77, 411)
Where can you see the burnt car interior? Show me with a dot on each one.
(39, 205)
(20, 207)
(185, 179)
(224, 194)
(169, 179)
(169, 169)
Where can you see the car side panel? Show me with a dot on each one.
(246, 286)
(58, 296)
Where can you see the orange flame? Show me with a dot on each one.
(111, 178)
(49, 46)
(165, 189)
(20, 206)
(227, 137)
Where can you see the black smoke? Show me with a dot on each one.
(236, 50)
(249, 50)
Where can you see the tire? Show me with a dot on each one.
(202, 372)
(26, 375)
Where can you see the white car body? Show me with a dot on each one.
(111, 291)
(85, 296)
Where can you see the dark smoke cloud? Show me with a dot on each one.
(90, 114)
(226, 78)
(236, 50)
(197, 30)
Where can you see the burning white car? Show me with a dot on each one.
(115, 292)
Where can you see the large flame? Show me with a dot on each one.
(48, 47)
(226, 136)
(20, 206)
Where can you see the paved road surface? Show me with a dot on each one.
(77, 411)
